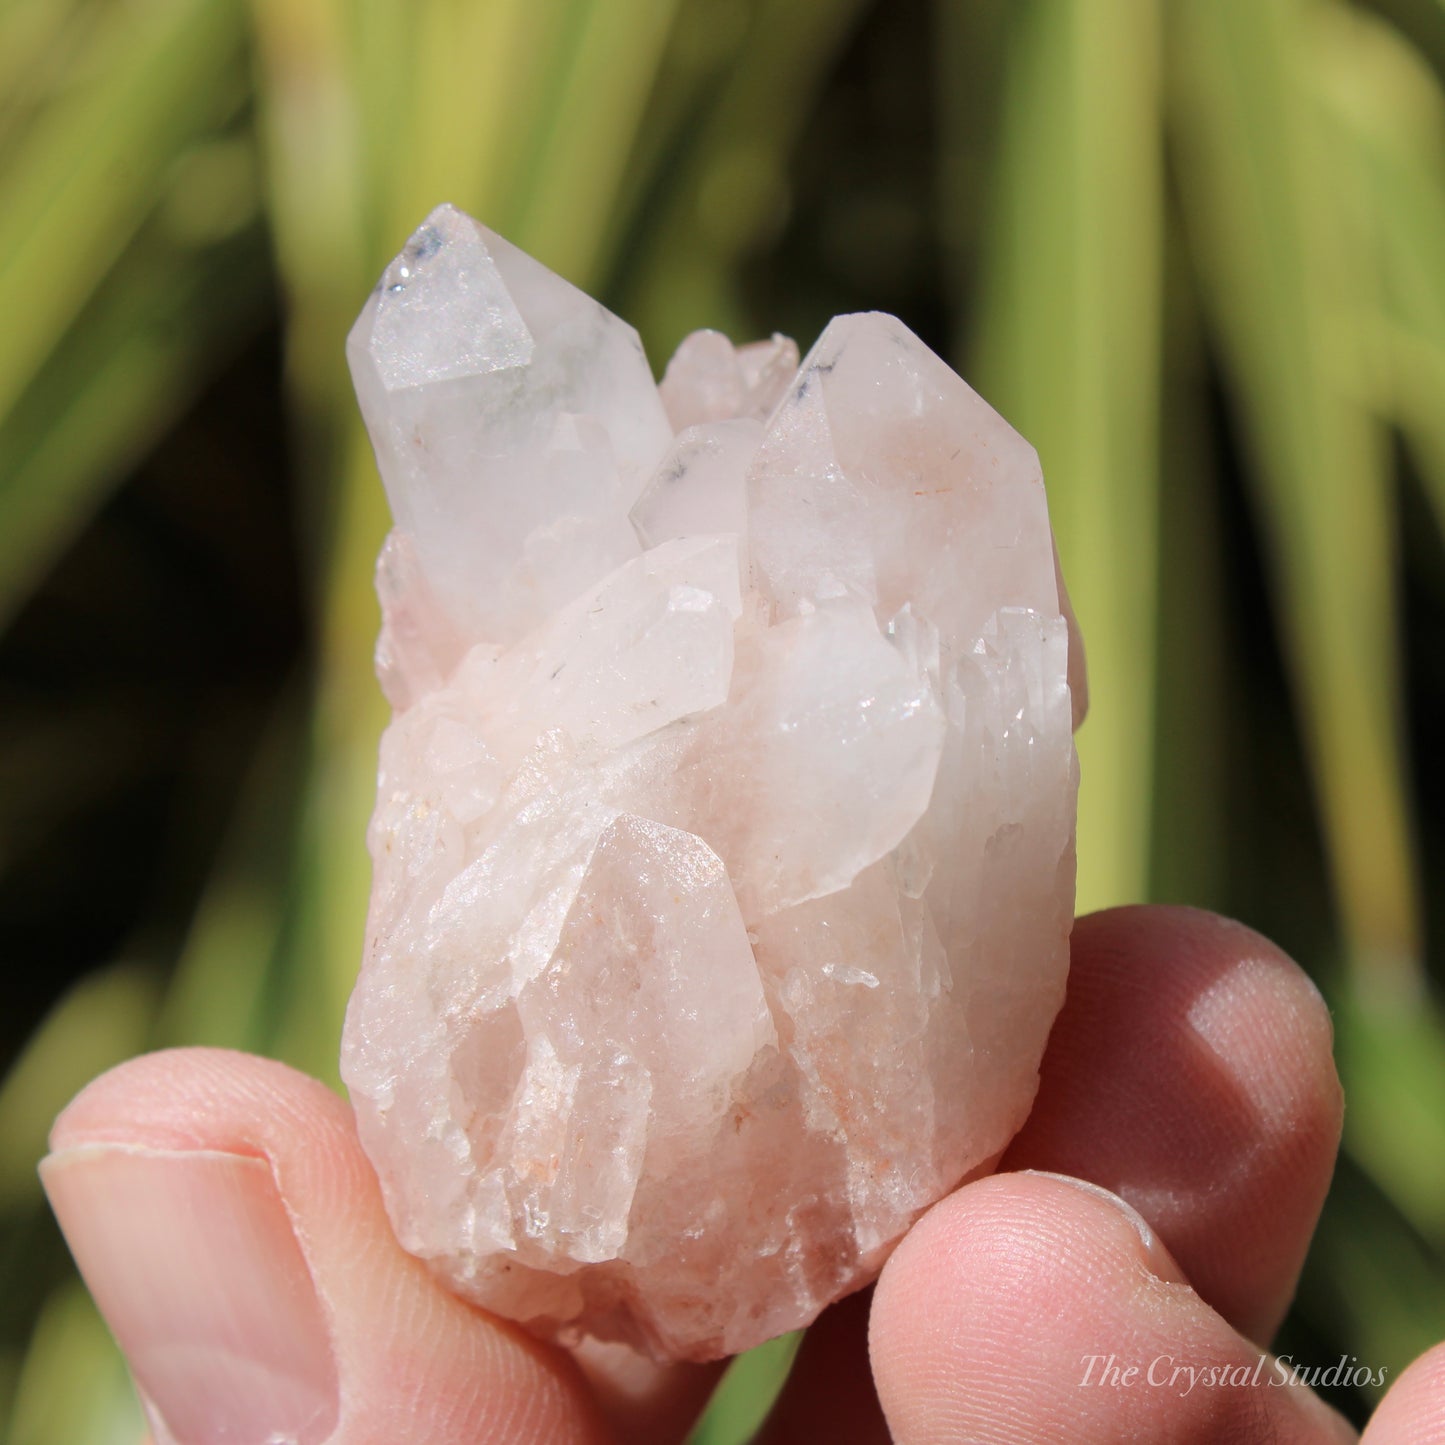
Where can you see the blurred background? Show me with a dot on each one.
(1194, 249)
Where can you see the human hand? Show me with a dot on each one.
(232, 1232)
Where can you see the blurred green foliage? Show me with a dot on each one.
(1194, 249)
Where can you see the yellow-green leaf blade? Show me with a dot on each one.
(1272, 236)
(1069, 352)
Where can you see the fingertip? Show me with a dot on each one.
(965, 1286)
(994, 1318)
(192, 1259)
(209, 1196)
(206, 1098)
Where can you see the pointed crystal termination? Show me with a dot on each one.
(515, 421)
(724, 831)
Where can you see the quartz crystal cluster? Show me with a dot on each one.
(724, 835)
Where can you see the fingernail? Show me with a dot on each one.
(192, 1260)
(1157, 1256)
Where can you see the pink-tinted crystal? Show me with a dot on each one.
(724, 830)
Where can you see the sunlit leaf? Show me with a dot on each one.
(93, 164)
(607, 73)
(480, 79)
(730, 189)
(1190, 827)
(1272, 235)
(1387, 109)
(38, 41)
(1069, 351)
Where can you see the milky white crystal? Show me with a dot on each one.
(724, 833)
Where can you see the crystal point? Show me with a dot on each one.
(724, 829)
(514, 421)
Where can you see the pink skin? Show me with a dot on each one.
(1189, 1075)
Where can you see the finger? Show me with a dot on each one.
(1190, 1072)
(233, 1235)
(1413, 1411)
(1002, 1314)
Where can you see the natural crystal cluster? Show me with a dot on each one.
(724, 833)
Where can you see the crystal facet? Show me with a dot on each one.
(514, 420)
(724, 832)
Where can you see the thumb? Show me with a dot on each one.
(232, 1233)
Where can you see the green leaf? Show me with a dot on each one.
(1393, 1066)
(1068, 351)
(605, 76)
(123, 373)
(323, 215)
(481, 79)
(746, 1393)
(1386, 111)
(92, 164)
(38, 41)
(1190, 829)
(729, 190)
(1275, 232)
